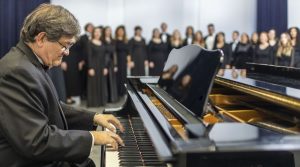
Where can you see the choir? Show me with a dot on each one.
(100, 62)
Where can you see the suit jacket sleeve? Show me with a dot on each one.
(79, 119)
(25, 125)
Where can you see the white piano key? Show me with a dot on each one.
(111, 159)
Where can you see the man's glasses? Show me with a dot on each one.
(65, 48)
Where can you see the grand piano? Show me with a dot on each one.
(197, 115)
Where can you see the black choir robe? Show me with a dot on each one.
(83, 54)
(263, 56)
(72, 74)
(227, 54)
(122, 51)
(97, 92)
(138, 53)
(112, 74)
(156, 54)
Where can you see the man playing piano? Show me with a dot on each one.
(35, 128)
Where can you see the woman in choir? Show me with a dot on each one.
(97, 94)
(111, 61)
(189, 35)
(122, 50)
(263, 52)
(138, 53)
(70, 66)
(176, 41)
(254, 40)
(295, 37)
(156, 54)
(243, 53)
(285, 51)
(225, 47)
(199, 39)
(272, 38)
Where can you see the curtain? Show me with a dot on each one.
(12, 15)
(272, 14)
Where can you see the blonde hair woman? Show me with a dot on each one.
(285, 51)
(176, 40)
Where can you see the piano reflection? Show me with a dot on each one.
(190, 116)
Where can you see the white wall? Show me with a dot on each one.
(227, 15)
(293, 13)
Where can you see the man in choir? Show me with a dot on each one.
(235, 40)
(210, 38)
(83, 43)
(165, 38)
(36, 129)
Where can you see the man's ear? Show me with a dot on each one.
(40, 39)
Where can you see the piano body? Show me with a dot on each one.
(191, 117)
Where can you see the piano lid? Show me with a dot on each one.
(188, 75)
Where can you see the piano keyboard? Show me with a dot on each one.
(138, 149)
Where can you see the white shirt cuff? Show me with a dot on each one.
(92, 142)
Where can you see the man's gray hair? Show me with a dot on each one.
(55, 20)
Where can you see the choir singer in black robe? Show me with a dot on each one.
(243, 53)
(156, 54)
(111, 60)
(122, 50)
(97, 94)
(138, 53)
(263, 52)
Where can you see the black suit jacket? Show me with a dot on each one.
(35, 129)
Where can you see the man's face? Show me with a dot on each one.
(211, 29)
(235, 36)
(52, 52)
(164, 27)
